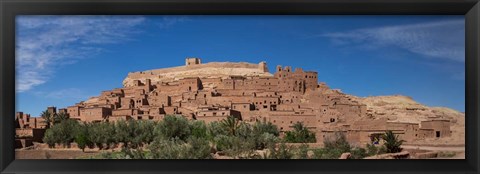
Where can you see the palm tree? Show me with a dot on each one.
(231, 123)
(57, 118)
(392, 142)
(47, 118)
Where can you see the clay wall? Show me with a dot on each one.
(73, 111)
(441, 128)
(169, 110)
(410, 130)
(119, 117)
(285, 120)
(425, 133)
(156, 100)
(37, 122)
(94, 114)
(189, 84)
(211, 113)
(122, 112)
(242, 107)
(209, 119)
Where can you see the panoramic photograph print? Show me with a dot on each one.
(240, 87)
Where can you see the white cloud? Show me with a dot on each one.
(443, 39)
(45, 42)
(69, 93)
(168, 21)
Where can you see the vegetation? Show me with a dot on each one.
(176, 137)
(53, 118)
(47, 117)
(391, 142)
(300, 134)
(446, 154)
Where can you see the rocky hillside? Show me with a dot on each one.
(208, 70)
(399, 108)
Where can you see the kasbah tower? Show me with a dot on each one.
(215, 90)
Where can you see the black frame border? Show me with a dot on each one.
(10, 8)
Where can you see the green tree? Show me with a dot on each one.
(101, 134)
(173, 126)
(57, 118)
(264, 133)
(231, 124)
(300, 134)
(142, 132)
(198, 129)
(391, 142)
(49, 138)
(215, 129)
(47, 118)
(266, 127)
(81, 137)
(122, 132)
(62, 133)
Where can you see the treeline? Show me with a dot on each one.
(176, 137)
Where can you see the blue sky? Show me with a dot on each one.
(61, 60)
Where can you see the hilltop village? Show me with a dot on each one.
(212, 91)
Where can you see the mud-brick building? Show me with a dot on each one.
(215, 90)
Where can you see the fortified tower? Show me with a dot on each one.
(192, 61)
(262, 66)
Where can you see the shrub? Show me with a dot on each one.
(446, 154)
(62, 133)
(265, 127)
(234, 146)
(173, 127)
(265, 140)
(49, 138)
(193, 148)
(324, 153)
(215, 129)
(302, 152)
(282, 152)
(339, 141)
(333, 147)
(358, 153)
(264, 133)
(391, 142)
(300, 134)
(198, 129)
(244, 130)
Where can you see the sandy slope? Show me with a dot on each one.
(398, 108)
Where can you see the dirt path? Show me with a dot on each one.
(431, 148)
(459, 150)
